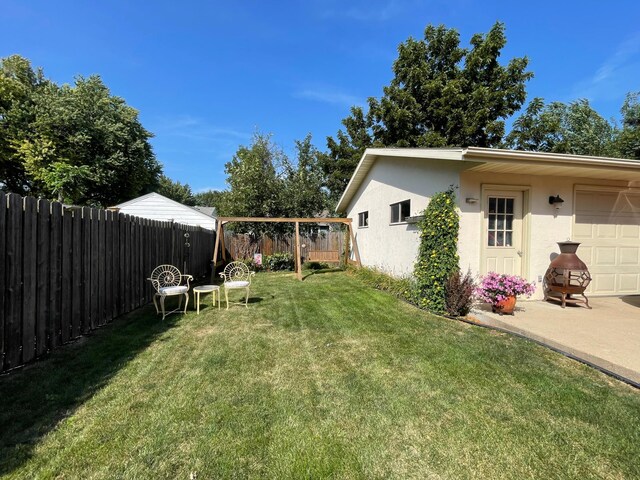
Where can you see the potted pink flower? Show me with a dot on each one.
(501, 291)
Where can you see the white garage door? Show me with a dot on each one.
(607, 223)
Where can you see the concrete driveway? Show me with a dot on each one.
(608, 335)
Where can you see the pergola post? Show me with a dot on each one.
(224, 250)
(215, 251)
(354, 244)
(298, 256)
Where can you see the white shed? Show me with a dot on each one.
(509, 204)
(158, 207)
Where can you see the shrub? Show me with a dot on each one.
(399, 287)
(459, 293)
(279, 261)
(438, 253)
(251, 264)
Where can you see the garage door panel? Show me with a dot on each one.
(608, 226)
(605, 256)
(629, 256)
(632, 232)
(606, 231)
(629, 283)
(603, 284)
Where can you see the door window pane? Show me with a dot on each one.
(500, 222)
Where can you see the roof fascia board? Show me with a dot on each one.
(489, 155)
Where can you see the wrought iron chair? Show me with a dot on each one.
(236, 276)
(168, 281)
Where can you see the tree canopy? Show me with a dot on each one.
(442, 94)
(576, 128)
(176, 191)
(263, 182)
(75, 143)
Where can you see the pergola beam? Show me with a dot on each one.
(283, 220)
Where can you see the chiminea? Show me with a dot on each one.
(567, 275)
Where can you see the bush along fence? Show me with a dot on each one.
(65, 271)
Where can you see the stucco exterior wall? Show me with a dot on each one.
(546, 226)
(393, 248)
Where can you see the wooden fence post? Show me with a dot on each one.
(43, 305)
(29, 259)
(65, 277)
(3, 271)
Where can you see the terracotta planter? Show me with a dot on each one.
(505, 306)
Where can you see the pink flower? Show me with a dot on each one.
(495, 287)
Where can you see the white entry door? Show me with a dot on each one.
(502, 232)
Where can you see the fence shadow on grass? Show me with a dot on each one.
(34, 400)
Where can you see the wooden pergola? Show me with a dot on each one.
(224, 220)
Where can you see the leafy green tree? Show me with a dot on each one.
(176, 191)
(345, 152)
(303, 183)
(18, 86)
(442, 94)
(263, 182)
(256, 186)
(78, 144)
(210, 198)
(445, 95)
(574, 128)
(627, 143)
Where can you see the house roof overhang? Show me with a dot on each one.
(478, 159)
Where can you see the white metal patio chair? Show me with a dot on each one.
(168, 281)
(236, 276)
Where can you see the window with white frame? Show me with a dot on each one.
(363, 219)
(400, 211)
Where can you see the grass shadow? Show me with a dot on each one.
(322, 271)
(36, 398)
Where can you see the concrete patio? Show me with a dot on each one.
(607, 336)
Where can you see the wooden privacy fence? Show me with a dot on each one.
(242, 246)
(66, 271)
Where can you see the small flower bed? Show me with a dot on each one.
(495, 287)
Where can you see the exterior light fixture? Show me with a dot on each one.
(556, 201)
(471, 200)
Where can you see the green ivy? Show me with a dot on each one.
(438, 254)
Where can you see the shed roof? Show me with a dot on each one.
(162, 198)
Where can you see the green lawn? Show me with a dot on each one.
(316, 379)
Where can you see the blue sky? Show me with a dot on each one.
(206, 75)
